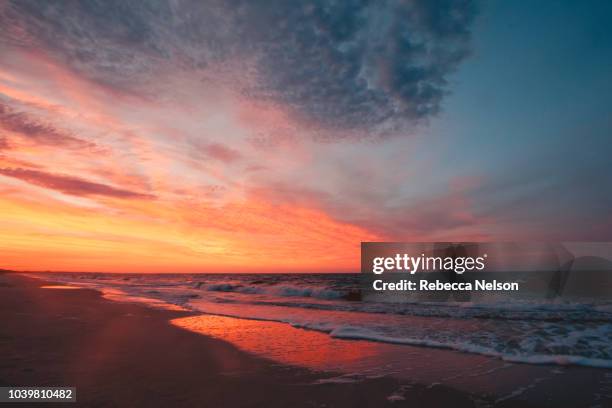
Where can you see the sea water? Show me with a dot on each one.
(536, 332)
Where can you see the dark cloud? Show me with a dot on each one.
(36, 130)
(356, 64)
(70, 185)
(348, 65)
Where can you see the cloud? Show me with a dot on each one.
(350, 65)
(36, 130)
(440, 216)
(4, 144)
(70, 185)
(354, 65)
(220, 152)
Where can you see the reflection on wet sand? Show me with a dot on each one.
(320, 352)
(283, 343)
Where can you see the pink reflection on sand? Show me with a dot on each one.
(283, 343)
(355, 358)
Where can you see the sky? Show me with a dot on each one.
(275, 136)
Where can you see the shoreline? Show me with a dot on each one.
(140, 357)
(128, 354)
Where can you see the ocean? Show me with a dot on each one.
(534, 332)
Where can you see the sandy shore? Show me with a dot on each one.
(120, 354)
(124, 354)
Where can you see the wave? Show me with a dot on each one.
(275, 290)
(322, 293)
(466, 347)
(528, 332)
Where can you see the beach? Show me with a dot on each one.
(121, 354)
(131, 354)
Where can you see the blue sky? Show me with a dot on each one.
(531, 107)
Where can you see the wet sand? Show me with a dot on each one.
(124, 354)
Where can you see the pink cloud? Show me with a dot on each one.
(70, 185)
(221, 152)
(37, 130)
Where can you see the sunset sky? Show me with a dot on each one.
(215, 136)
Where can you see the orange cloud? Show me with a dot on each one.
(175, 237)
